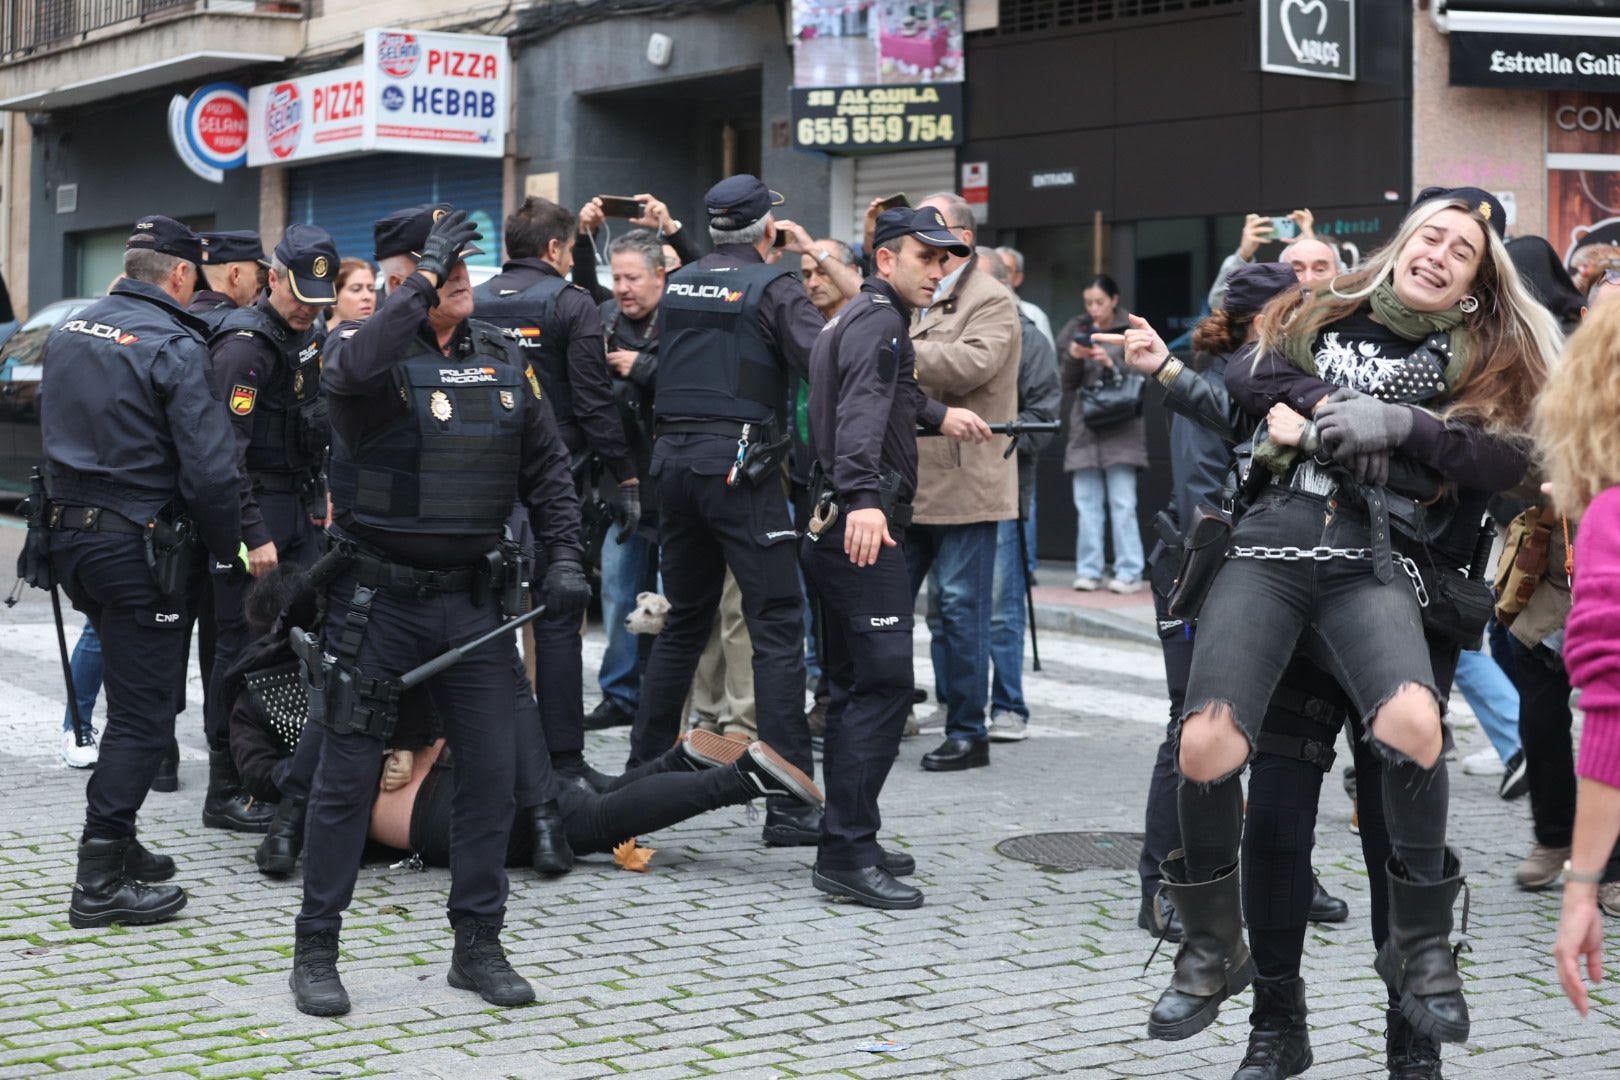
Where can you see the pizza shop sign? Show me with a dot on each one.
(413, 91)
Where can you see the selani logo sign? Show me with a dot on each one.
(209, 129)
(1313, 38)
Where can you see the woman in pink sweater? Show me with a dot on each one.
(1578, 426)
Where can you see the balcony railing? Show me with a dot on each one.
(31, 26)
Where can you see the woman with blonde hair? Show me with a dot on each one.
(1578, 431)
(1426, 359)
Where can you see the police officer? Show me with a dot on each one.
(732, 330)
(864, 411)
(437, 429)
(266, 368)
(557, 326)
(233, 271)
(133, 440)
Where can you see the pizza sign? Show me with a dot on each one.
(398, 54)
(283, 119)
(209, 129)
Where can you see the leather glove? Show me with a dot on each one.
(448, 236)
(1370, 467)
(566, 590)
(1353, 423)
(629, 511)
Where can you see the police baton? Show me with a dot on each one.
(422, 673)
(1013, 429)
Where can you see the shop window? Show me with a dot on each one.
(1043, 16)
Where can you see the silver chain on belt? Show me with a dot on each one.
(1323, 553)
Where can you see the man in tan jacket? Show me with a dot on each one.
(967, 345)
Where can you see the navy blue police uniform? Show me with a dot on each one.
(864, 409)
(220, 249)
(731, 330)
(134, 440)
(432, 443)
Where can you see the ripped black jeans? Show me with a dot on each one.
(1366, 636)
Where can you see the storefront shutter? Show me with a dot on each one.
(918, 173)
(346, 197)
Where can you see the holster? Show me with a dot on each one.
(897, 511)
(341, 696)
(170, 548)
(34, 560)
(1203, 550)
(762, 459)
(516, 577)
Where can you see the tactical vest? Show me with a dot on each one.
(449, 462)
(529, 318)
(714, 356)
(290, 429)
(214, 316)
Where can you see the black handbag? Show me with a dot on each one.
(1203, 551)
(1458, 607)
(1112, 399)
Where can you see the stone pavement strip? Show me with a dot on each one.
(722, 961)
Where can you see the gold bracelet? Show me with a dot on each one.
(1168, 372)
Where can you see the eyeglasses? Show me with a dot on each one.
(1612, 276)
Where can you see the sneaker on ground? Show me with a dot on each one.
(1484, 763)
(1126, 586)
(1008, 727)
(80, 757)
(1609, 898)
(1086, 584)
(1515, 777)
(1541, 867)
(934, 721)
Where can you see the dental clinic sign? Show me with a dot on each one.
(413, 91)
(1314, 38)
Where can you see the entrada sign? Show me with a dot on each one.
(1313, 38)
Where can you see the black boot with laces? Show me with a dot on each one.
(1279, 1040)
(479, 963)
(316, 988)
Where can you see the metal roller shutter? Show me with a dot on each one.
(346, 197)
(918, 173)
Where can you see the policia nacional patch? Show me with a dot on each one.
(242, 399)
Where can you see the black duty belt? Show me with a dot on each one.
(730, 428)
(91, 519)
(280, 483)
(375, 573)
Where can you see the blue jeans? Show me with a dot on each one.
(962, 558)
(1117, 486)
(1007, 626)
(1029, 533)
(625, 568)
(1494, 699)
(86, 665)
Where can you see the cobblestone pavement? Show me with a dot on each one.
(723, 960)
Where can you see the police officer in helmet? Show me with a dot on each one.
(233, 274)
(558, 330)
(864, 410)
(437, 430)
(732, 331)
(138, 463)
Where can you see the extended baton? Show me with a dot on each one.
(423, 672)
(1014, 428)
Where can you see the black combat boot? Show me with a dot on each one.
(317, 989)
(479, 963)
(168, 774)
(1279, 1040)
(104, 893)
(227, 806)
(144, 865)
(571, 767)
(277, 855)
(790, 823)
(551, 854)
(1325, 907)
(1417, 961)
(1213, 962)
(1408, 1055)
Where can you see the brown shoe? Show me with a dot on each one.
(1541, 867)
(772, 774)
(707, 750)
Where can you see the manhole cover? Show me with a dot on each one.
(1069, 851)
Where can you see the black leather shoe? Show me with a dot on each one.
(1279, 1039)
(144, 865)
(772, 775)
(573, 768)
(608, 714)
(1325, 907)
(897, 863)
(104, 893)
(317, 989)
(790, 823)
(551, 855)
(871, 885)
(1158, 917)
(168, 774)
(227, 806)
(954, 754)
(479, 963)
(277, 854)
(1408, 1055)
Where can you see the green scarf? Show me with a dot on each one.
(1387, 310)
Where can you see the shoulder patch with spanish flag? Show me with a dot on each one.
(242, 399)
(534, 381)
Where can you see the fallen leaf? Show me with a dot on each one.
(631, 857)
(391, 909)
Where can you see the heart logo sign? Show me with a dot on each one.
(1308, 46)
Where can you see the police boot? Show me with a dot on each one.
(1408, 1055)
(317, 989)
(1279, 1040)
(479, 963)
(168, 774)
(143, 865)
(1417, 962)
(227, 806)
(104, 893)
(571, 767)
(1325, 907)
(1213, 962)
(552, 856)
(277, 855)
(790, 823)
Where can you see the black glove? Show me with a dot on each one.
(445, 240)
(629, 511)
(566, 590)
(1369, 467)
(1352, 423)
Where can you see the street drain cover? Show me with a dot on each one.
(1069, 851)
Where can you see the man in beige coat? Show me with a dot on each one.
(967, 345)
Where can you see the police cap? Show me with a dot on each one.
(166, 236)
(404, 232)
(925, 223)
(739, 201)
(1252, 286)
(219, 248)
(311, 259)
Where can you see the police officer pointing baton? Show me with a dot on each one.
(865, 408)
